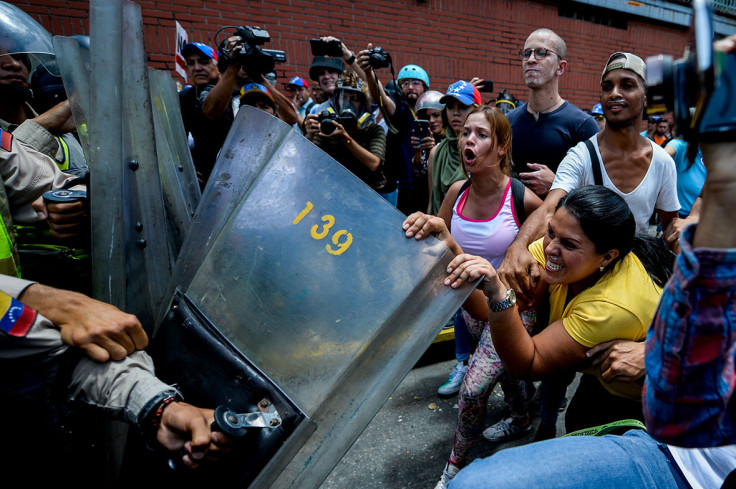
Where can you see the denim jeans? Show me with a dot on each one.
(633, 460)
(463, 340)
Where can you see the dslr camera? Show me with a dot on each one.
(700, 88)
(325, 119)
(378, 58)
(253, 59)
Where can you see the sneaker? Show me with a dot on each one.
(452, 386)
(447, 474)
(507, 429)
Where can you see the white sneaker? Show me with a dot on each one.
(452, 386)
(507, 429)
(447, 475)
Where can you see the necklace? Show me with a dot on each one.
(536, 114)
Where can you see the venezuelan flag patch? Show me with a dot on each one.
(17, 318)
(6, 140)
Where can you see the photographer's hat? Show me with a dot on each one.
(463, 91)
(318, 62)
(255, 90)
(202, 48)
(626, 61)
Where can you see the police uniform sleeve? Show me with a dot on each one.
(35, 136)
(26, 174)
(124, 390)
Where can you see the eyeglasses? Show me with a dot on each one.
(598, 117)
(539, 53)
(411, 83)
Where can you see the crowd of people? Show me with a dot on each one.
(600, 249)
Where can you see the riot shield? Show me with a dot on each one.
(178, 177)
(296, 290)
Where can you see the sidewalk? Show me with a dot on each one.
(408, 442)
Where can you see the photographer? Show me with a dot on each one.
(330, 57)
(413, 81)
(347, 134)
(210, 129)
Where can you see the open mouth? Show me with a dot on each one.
(469, 156)
(553, 267)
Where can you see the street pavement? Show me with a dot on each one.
(407, 444)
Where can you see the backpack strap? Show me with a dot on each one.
(595, 162)
(517, 193)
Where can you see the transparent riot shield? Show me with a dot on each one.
(296, 293)
(178, 177)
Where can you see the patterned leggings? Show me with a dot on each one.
(484, 371)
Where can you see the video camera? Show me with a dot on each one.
(254, 60)
(699, 89)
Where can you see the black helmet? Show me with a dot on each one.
(325, 62)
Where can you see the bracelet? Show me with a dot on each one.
(349, 141)
(156, 417)
(351, 59)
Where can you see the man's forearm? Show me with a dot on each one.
(218, 100)
(719, 198)
(536, 223)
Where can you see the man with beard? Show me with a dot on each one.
(546, 126)
(412, 180)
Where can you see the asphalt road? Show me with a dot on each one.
(408, 442)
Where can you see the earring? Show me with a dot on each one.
(601, 269)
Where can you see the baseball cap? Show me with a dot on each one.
(463, 91)
(597, 109)
(255, 89)
(298, 82)
(626, 61)
(202, 48)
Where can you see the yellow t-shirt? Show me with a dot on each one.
(619, 306)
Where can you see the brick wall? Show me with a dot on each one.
(451, 39)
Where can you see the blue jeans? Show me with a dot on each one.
(392, 197)
(463, 340)
(633, 460)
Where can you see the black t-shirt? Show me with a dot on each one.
(209, 135)
(547, 140)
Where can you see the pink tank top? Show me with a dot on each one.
(487, 238)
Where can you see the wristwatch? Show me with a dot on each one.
(509, 301)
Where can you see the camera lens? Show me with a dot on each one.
(327, 127)
(660, 84)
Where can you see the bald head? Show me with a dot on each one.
(555, 41)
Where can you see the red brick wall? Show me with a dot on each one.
(451, 39)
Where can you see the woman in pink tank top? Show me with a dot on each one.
(481, 218)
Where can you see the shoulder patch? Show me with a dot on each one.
(6, 140)
(17, 318)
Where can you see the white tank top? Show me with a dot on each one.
(487, 238)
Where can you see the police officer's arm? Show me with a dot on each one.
(103, 331)
(58, 119)
(388, 107)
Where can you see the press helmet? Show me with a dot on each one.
(429, 100)
(415, 72)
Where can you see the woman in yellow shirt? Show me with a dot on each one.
(603, 282)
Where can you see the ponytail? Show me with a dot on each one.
(657, 259)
